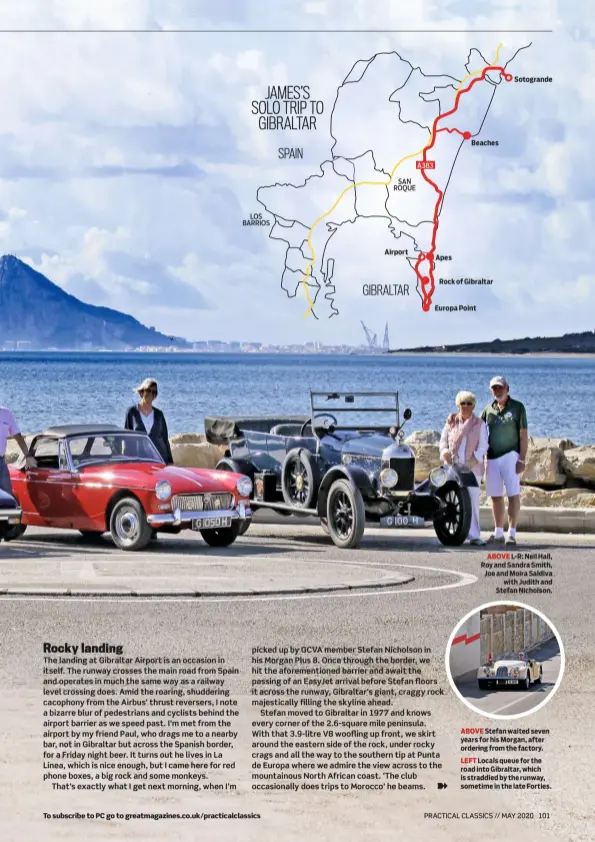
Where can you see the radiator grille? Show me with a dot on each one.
(202, 502)
(406, 471)
(502, 672)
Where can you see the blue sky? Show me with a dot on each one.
(128, 162)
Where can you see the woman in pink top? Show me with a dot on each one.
(464, 441)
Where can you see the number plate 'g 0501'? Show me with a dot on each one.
(211, 523)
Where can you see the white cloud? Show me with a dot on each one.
(145, 147)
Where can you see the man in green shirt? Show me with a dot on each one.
(506, 420)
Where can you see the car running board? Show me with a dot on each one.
(283, 507)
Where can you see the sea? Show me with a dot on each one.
(44, 389)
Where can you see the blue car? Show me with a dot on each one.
(10, 515)
(347, 464)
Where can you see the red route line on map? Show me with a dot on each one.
(427, 281)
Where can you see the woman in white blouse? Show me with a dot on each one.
(464, 441)
(148, 419)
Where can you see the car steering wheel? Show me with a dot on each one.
(320, 415)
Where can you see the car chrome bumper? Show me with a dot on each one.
(423, 504)
(11, 515)
(178, 517)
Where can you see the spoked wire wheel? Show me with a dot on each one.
(453, 522)
(345, 514)
(298, 482)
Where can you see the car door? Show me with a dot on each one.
(43, 501)
(87, 493)
(258, 445)
(276, 452)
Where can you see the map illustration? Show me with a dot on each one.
(396, 135)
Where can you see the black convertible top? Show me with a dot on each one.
(222, 429)
(85, 430)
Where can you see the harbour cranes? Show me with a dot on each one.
(372, 339)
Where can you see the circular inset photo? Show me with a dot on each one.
(505, 660)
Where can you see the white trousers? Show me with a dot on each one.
(475, 531)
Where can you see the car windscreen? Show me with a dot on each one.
(112, 448)
(355, 410)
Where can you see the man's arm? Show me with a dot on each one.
(524, 444)
(523, 441)
(29, 460)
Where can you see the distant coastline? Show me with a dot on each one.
(579, 344)
(296, 352)
(499, 354)
(355, 352)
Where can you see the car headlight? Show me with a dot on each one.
(488, 670)
(163, 490)
(244, 486)
(389, 477)
(438, 476)
(515, 671)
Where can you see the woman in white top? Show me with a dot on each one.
(464, 441)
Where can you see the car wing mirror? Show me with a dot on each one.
(407, 414)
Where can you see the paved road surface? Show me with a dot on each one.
(447, 585)
(271, 558)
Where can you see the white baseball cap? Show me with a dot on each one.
(498, 381)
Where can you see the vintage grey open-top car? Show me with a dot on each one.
(345, 472)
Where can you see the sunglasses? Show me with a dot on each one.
(148, 392)
(466, 403)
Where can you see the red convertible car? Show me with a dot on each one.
(101, 478)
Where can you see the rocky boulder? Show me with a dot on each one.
(579, 463)
(571, 498)
(538, 442)
(188, 438)
(13, 451)
(423, 437)
(199, 454)
(427, 456)
(534, 496)
(544, 467)
(566, 498)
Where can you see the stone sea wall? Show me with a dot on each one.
(558, 473)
